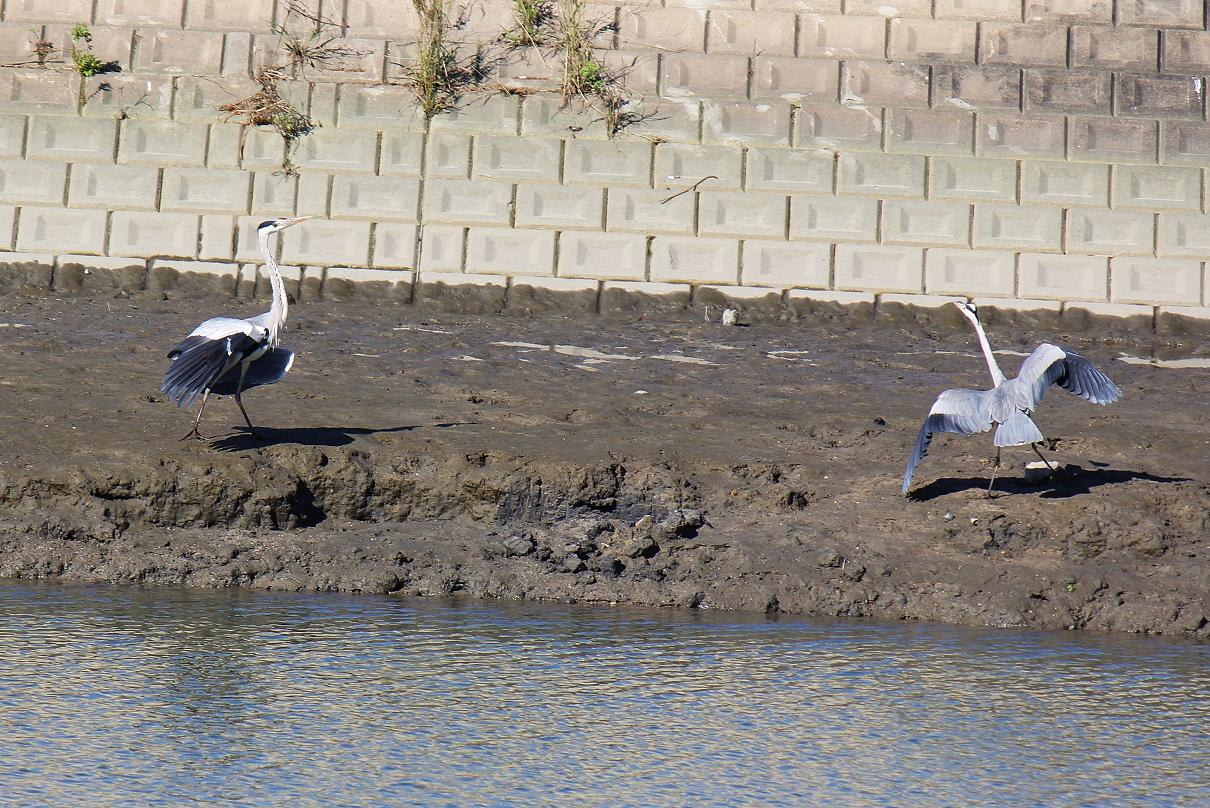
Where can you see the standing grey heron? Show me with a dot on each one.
(1009, 403)
(226, 355)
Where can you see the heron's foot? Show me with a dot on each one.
(1053, 468)
(194, 434)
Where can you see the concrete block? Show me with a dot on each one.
(881, 174)
(1183, 234)
(73, 139)
(621, 297)
(402, 153)
(1184, 51)
(331, 243)
(34, 91)
(113, 186)
(859, 267)
(612, 162)
(347, 284)
(793, 171)
(25, 273)
(1167, 281)
(38, 182)
(685, 75)
(1112, 140)
(215, 15)
(901, 8)
(1055, 90)
(273, 194)
(932, 41)
(973, 178)
(679, 165)
(1157, 187)
(336, 150)
(247, 247)
(367, 18)
(925, 131)
(226, 146)
(643, 210)
(836, 37)
(205, 190)
(781, 264)
(237, 54)
(747, 33)
(852, 128)
(394, 245)
(257, 276)
(501, 251)
(1063, 277)
(383, 199)
(681, 259)
(909, 221)
(314, 193)
(217, 242)
(93, 275)
(8, 233)
(548, 116)
(532, 295)
(442, 248)
(167, 143)
(468, 201)
(199, 98)
(1003, 134)
(1012, 227)
(497, 114)
(119, 97)
(58, 230)
(1051, 183)
(603, 256)
(365, 62)
(44, 11)
(823, 304)
(1110, 232)
(753, 303)
(986, 87)
(735, 213)
(511, 157)
(1100, 11)
(884, 84)
(1114, 48)
(978, 10)
(970, 272)
(1033, 45)
(392, 109)
(166, 13)
(195, 53)
(190, 279)
(641, 70)
(1182, 320)
(462, 294)
(12, 135)
(789, 79)
(1084, 316)
(665, 29)
(1164, 13)
(148, 235)
(448, 155)
(742, 122)
(833, 219)
(1182, 97)
(557, 207)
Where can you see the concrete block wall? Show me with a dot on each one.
(1038, 152)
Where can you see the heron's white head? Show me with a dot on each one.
(969, 311)
(275, 225)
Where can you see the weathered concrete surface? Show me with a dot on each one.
(649, 461)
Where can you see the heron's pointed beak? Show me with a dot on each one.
(293, 221)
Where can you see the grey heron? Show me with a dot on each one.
(227, 355)
(1010, 402)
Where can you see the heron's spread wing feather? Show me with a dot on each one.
(1017, 430)
(1048, 365)
(964, 412)
(219, 327)
(199, 361)
(268, 369)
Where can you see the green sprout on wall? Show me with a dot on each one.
(86, 63)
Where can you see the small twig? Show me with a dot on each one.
(692, 187)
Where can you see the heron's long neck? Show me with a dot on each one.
(992, 364)
(277, 312)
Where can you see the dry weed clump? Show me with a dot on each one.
(267, 107)
(439, 75)
(317, 45)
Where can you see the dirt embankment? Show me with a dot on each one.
(648, 461)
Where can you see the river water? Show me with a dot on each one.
(158, 696)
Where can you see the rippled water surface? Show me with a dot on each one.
(111, 695)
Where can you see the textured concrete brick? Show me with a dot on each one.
(74, 139)
(219, 15)
(500, 251)
(383, 199)
(1012, 227)
(604, 256)
(837, 37)
(402, 153)
(673, 29)
(58, 230)
(641, 70)
(679, 165)
(274, 195)
(785, 170)
(1052, 183)
(344, 243)
(733, 213)
(1079, 313)
(39, 182)
(607, 163)
(804, 6)
(547, 116)
(167, 13)
(1183, 234)
(1063, 277)
(503, 156)
(1069, 10)
(227, 143)
(978, 10)
(146, 235)
(1068, 91)
(813, 300)
(879, 269)
(42, 11)
(791, 79)
(781, 264)
(142, 97)
(462, 294)
(1157, 187)
(854, 128)
(1010, 135)
(363, 63)
(394, 245)
(246, 246)
(969, 272)
(1160, 96)
(368, 18)
(642, 210)
(388, 108)
(497, 114)
(257, 277)
(882, 174)
(917, 40)
(831, 219)
(110, 43)
(464, 201)
(977, 88)
(442, 248)
(217, 241)
(39, 91)
(716, 76)
(165, 143)
(90, 274)
(530, 294)
(1033, 45)
(205, 190)
(184, 279)
(197, 53)
(97, 185)
(314, 190)
(335, 150)
(1110, 232)
(884, 83)
(198, 98)
(1111, 140)
(925, 131)
(678, 259)
(743, 122)
(12, 135)
(1164, 13)
(748, 33)
(971, 178)
(916, 222)
(1185, 51)
(557, 207)
(1114, 48)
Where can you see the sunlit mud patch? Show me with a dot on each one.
(592, 356)
(1172, 364)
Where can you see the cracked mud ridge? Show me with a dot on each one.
(654, 461)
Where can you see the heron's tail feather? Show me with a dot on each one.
(1018, 430)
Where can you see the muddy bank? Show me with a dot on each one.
(654, 461)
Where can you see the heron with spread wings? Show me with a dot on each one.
(225, 356)
(1010, 402)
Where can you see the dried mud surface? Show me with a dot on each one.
(654, 461)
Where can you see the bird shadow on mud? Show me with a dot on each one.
(1063, 485)
(244, 439)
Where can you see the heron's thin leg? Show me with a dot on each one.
(1038, 452)
(239, 388)
(193, 433)
(995, 468)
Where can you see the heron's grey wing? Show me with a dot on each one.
(268, 369)
(964, 412)
(199, 361)
(218, 327)
(1048, 365)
